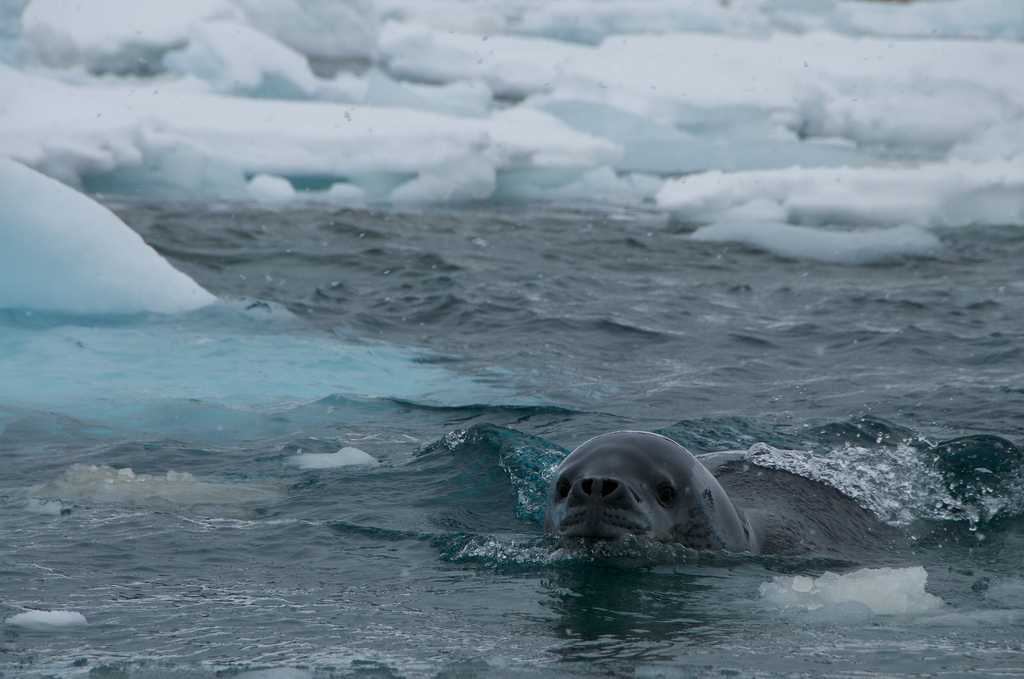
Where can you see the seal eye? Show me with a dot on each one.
(562, 488)
(666, 494)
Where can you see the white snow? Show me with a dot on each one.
(45, 621)
(346, 457)
(885, 591)
(62, 251)
(743, 118)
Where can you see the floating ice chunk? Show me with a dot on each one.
(841, 247)
(122, 36)
(118, 139)
(962, 18)
(470, 178)
(238, 59)
(589, 22)
(998, 141)
(276, 673)
(464, 97)
(326, 29)
(268, 188)
(737, 141)
(954, 193)
(602, 185)
(62, 251)
(45, 507)
(45, 621)
(344, 194)
(886, 591)
(512, 66)
(102, 484)
(880, 92)
(346, 457)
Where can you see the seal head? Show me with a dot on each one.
(640, 483)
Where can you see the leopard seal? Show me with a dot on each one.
(645, 484)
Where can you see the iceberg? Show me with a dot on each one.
(62, 251)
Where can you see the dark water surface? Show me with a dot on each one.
(507, 336)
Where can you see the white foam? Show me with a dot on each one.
(62, 251)
(346, 457)
(85, 483)
(46, 621)
(841, 247)
(896, 483)
(44, 507)
(885, 591)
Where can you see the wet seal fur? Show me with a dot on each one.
(641, 483)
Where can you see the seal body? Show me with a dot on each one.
(640, 483)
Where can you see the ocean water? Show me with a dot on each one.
(154, 481)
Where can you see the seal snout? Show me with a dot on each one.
(604, 487)
(600, 506)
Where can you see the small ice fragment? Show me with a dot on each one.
(42, 621)
(267, 187)
(47, 507)
(886, 591)
(802, 583)
(346, 457)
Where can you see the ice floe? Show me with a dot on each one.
(830, 112)
(953, 193)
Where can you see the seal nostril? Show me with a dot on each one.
(563, 488)
(587, 485)
(608, 487)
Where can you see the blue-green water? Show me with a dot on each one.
(466, 350)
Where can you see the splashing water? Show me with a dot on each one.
(899, 483)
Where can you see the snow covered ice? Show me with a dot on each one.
(359, 103)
